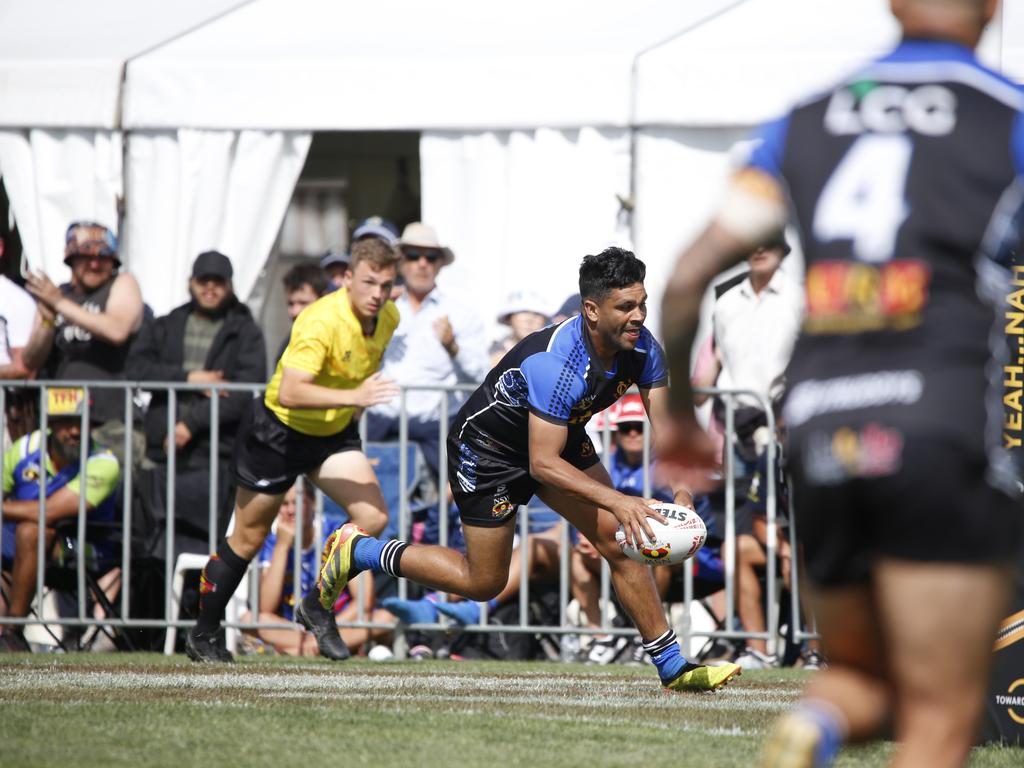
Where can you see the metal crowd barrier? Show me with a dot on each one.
(563, 629)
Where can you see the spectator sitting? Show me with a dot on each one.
(303, 284)
(22, 465)
(277, 586)
(86, 326)
(17, 317)
(523, 313)
(211, 339)
(439, 341)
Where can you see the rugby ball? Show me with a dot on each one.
(675, 540)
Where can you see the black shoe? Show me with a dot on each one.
(318, 620)
(204, 648)
(13, 641)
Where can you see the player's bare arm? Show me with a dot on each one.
(547, 441)
(299, 391)
(656, 404)
(753, 211)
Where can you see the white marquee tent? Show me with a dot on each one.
(536, 118)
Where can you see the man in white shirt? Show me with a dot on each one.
(438, 341)
(756, 324)
(17, 318)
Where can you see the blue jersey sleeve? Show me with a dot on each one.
(553, 386)
(771, 143)
(655, 370)
(267, 552)
(1017, 144)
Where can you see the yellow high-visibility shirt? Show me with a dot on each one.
(327, 341)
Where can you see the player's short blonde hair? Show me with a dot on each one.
(375, 251)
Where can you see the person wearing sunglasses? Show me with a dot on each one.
(85, 326)
(438, 342)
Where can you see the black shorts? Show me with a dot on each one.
(935, 506)
(269, 455)
(488, 491)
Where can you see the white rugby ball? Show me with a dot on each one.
(675, 540)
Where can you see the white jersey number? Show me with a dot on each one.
(863, 199)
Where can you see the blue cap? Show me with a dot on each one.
(378, 227)
(334, 257)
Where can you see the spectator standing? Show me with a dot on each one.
(439, 341)
(211, 339)
(85, 326)
(756, 324)
(17, 319)
(23, 464)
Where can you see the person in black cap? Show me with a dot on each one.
(85, 326)
(211, 339)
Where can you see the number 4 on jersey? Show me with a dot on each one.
(863, 199)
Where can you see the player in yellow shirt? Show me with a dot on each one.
(307, 423)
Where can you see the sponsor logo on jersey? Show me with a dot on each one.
(622, 386)
(850, 297)
(868, 106)
(851, 393)
(586, 448)
(1013, 373)
(872, 451)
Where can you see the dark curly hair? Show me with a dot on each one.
(612, 268)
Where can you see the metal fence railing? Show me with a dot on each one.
(129, 524)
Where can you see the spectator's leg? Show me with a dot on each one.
(750, 556)
(23, 572)
(939, 621)
(585, 572)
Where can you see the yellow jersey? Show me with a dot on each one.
(327, 341)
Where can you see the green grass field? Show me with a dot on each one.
(145, 709)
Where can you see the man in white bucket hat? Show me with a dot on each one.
(437, 342)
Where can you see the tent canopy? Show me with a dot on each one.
(62, 61)
(396, 64)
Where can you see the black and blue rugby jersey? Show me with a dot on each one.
(555, 374)
(905, 185)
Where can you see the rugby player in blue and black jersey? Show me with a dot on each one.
(905, 183)
(522, 434)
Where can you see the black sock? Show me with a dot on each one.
(217, 583)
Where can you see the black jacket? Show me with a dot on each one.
(157, 354)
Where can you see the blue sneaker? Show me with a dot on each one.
(464, 611)
(411, 611)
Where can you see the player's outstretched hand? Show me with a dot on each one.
(632, 513)
(375, 390)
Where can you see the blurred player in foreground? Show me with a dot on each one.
(904, 180)
(522, 433)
